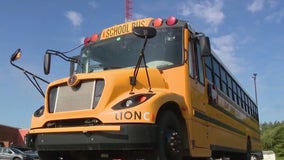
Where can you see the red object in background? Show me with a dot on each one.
(12, 136)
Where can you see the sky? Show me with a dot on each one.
(247, 35)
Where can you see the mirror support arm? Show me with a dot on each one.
(61, 55)
(34, 78)
(146, 33)
(135, 73)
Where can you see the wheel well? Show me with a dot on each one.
(174, 107)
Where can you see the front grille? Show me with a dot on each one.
(82, 97)
(73, 123)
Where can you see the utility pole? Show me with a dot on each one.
(128, 10)
(255, 91)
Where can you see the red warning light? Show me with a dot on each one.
(171, 21)
(87, 40)
(94, 37)
(157, 22)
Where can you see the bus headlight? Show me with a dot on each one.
(132, 101)
(129, 103)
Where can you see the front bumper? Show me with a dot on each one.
(129, 137)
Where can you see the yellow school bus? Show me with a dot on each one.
(147, 89)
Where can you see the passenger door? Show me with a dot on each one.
(198, 98)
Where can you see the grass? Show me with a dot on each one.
(279, 158)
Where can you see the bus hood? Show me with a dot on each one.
(76, 96)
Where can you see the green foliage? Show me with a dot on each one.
(272, 137)
(279, 158)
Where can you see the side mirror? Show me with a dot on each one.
(46, 63)
(16, 55)
(143, 32)
(204, 45)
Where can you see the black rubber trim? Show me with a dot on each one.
(130, 137)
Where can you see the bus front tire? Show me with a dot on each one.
(169, 145)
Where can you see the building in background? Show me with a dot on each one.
(11, 136)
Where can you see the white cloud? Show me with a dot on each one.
(277, 16)
(256, 5)
(75, 18)
(224, 47)
(93, 4)
(210, 11)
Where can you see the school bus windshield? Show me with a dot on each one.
(164, 50)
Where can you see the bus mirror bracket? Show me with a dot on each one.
(47, 59)
(73, 64)
(32, 77)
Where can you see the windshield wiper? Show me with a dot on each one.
(146, 33)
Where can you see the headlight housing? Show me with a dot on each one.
(132, 101)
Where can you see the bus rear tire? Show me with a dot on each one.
(170, 146)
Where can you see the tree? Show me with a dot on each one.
(278, 142)
(272, 137)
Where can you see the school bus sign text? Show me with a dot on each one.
(124, 28)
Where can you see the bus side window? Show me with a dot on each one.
(208, 68)
(198, 62)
